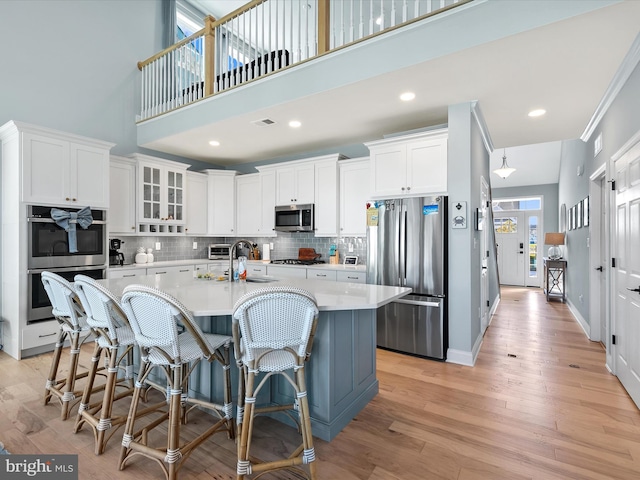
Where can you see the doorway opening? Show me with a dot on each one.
(518, 230)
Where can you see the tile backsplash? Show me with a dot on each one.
(285, 245)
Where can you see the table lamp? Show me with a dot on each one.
(554, 239)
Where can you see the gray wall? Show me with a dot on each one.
(619, 124)
(468, 160)
(72, 66)
(548, 192)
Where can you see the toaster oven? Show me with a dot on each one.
(219, 251)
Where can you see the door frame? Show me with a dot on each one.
(539, 245)
(596, 224)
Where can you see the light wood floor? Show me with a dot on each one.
(539, 404)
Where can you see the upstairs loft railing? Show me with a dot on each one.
(263, 37)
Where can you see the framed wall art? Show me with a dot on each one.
(572, 218)
(579, 214)
(585, 212)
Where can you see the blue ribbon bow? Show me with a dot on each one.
(68, 221)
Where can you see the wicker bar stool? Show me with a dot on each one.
(114, 338)
(156, 318)
(273, 331)
(69, 313)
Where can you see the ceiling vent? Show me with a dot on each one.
(265, 122)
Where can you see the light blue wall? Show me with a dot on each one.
(468, 161)
(619, 124)
(72, 65)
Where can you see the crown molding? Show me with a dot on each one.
(623, 73)
(484, 130)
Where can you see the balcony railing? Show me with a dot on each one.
(263, 37)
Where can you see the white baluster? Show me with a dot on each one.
(392, 20)
(382, 19)
(371, 17)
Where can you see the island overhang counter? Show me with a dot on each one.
(341, 373)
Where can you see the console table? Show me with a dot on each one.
(554, 278)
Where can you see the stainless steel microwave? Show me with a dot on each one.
(295, 218)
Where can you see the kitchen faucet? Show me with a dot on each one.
(231, 250)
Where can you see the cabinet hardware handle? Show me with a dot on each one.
(408, 188)
(130, 275)
(320, 275)
(67, 199)
(160, 273)
(183, 271)
(634, 289)
(402, 189)
(47, 335)
(74, 199)
(352, 278)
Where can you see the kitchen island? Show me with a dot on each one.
(341, 374)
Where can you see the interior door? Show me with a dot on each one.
(510, 231)
(602, 284)
(484, 276)
(626, 274)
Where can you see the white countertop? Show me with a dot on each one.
(211, 297)
(195, 261)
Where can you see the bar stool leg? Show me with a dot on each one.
(86, 394)
(309, 456)
(244, 465)
(68, 394)
(55, 363)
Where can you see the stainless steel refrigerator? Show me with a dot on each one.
(408, 247)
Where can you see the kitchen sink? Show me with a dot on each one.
(261, 279)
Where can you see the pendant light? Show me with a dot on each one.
(505, 170)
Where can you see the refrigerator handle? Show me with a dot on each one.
(403, 244)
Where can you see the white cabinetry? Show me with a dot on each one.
(122, 196)
(285, 271)
(45, 167)
(295, 183)
(248, 210)
(196, 205)
(221, 204)
(170, 269)
(326, 197)
(350, 276)
(268, 188)
(354, 193)
(321, 274)
(256, 269)
(127, 273)
(409, 165)
(161, 195)
(62, 169)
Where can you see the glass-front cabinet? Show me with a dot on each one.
(162, 195)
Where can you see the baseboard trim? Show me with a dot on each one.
(586, 328)
(462, 357)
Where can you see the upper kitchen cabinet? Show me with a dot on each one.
(197, 208)
(61, 169)
(268, 195)
(122, 196)
(161, 195)
(409, 165)
(295, 183)
(248, 201)
(326, 197)
(221, 187)
(354, 193)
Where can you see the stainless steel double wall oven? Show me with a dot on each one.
(48, 249)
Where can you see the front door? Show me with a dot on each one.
(626, 274)
(510, 231)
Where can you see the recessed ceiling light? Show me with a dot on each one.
(537, 113)
(214, 143)
(407, 96)
(295, 124)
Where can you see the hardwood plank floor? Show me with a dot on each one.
(538, 405)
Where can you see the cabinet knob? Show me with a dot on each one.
(402, 189)
(133, 228)
(408, 188)
(67, 199)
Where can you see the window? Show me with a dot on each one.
(534, 203)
